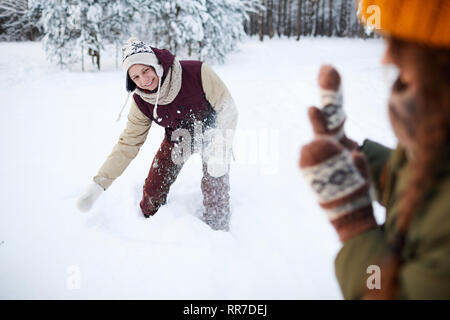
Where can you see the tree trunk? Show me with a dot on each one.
(322, 19)
(98, 58)
(82, 58)
(261, 24)
(330, 19)
(316, 20)
(342, 20)
(289, 17)
(285, 13)
(117, 55)
(280, 9)
(255, 24)
(299, 19)
(270, 18)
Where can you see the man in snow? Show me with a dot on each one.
(194, 106)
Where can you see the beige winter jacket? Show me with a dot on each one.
(138, 125)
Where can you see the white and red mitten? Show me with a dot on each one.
(339, 178)
(330, 118)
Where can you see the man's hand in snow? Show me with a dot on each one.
(90, 195)
(330, 118)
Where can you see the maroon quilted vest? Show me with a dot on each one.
(189, 105)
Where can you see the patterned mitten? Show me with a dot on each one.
(330, 119)
(339, 178)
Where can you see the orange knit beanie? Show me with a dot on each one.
(422, 21)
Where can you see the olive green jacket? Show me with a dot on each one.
(425, 272)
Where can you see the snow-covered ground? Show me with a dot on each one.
(57, 128)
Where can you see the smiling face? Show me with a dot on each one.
(143, 76)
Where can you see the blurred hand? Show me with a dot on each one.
(330, 118)
(339, 178)
(88, 198)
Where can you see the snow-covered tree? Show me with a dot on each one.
(205, 29)
(175, 24)
(18, 21)
(88, 18)
(123, 18)
(224, 27)
(73, 28)
(309, 18)
(60, 32)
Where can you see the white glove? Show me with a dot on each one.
(87, 199)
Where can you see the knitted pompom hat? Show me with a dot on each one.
(426, 22)
(138, 52)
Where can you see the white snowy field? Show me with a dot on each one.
(57, 128)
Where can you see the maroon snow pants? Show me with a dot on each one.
(163, 173)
